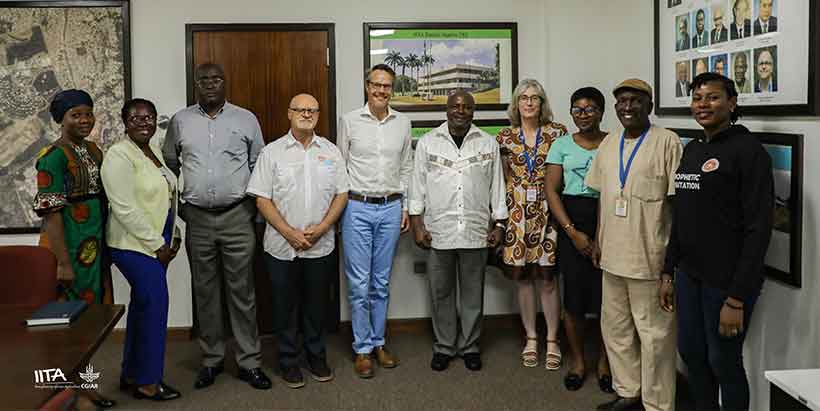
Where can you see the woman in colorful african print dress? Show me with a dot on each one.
(70, 197)
(529, 243)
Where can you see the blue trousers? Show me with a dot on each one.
(370, 234)
(713, 361)
(143, 357)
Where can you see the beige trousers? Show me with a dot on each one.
(640, 341)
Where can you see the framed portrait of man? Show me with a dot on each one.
(773, 64)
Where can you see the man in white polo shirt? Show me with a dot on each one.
(300, 185)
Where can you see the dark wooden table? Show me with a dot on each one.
(67, 347)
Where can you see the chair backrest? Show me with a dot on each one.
(65, 400)
(30, 275)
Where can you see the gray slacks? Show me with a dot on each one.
(457, 291)
(220, 249)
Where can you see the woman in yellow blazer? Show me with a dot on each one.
(143, 239)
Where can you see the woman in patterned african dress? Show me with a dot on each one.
(528, 253)
(70, 198)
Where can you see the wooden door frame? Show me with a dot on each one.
(329, 28)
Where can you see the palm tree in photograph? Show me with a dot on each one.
(414, 63)
(393, 59)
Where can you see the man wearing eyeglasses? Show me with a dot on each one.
(634, 172)
(375, 142)
(214, 144)
(300, 185)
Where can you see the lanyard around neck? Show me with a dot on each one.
(624, 172)
(530, 161)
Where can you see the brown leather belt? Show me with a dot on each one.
(374, 200)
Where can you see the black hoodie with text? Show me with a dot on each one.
(723, 212)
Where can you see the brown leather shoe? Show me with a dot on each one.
(385, 358)
(363, 366)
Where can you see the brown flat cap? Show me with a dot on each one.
(634, 84)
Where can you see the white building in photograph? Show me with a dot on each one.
(464, 76)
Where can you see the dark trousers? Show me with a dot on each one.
(713, 361)
(300, 298)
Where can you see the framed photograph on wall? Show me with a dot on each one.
(433, 59)
(768, 47)
(46, 47)
(784, 256)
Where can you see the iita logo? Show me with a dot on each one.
(54, 378)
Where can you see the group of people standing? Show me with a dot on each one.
(626, 218)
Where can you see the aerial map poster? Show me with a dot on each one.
(44, 50)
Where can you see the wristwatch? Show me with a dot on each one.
(499, 225)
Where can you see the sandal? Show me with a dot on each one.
(529, 357)
(553, 361)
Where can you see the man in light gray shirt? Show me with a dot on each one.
(215, 144)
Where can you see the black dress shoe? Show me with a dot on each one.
(605, 384)
(573, 381)
(472, 361)
(440, 361)
(206, 376)
(103, 402)
(164, 393)
(622, 404)
(255, 377)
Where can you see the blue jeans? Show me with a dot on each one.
(712, 360)
(143, 355)
(370, 234)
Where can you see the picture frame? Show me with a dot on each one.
(784, 256)
(46, 50)
(703, 34)
(481, 58)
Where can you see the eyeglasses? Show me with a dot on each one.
(142, 119)
(311, 111)
(529, 99)
(377, 86)
(205, 82)
(588, 110)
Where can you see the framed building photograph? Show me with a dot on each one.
(433, 59)
(784, 257)
(747, 41)
(47, 47)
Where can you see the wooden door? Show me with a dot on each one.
(265, 66)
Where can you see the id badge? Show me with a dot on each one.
(620, 207)
(532, 195)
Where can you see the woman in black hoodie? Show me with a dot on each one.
(724, 197)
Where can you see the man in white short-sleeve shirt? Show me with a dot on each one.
(300, 184)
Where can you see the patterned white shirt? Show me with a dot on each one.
(460, 191)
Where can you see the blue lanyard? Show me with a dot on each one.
(624, 172)
(530, 161)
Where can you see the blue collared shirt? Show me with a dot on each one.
(216, 155)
